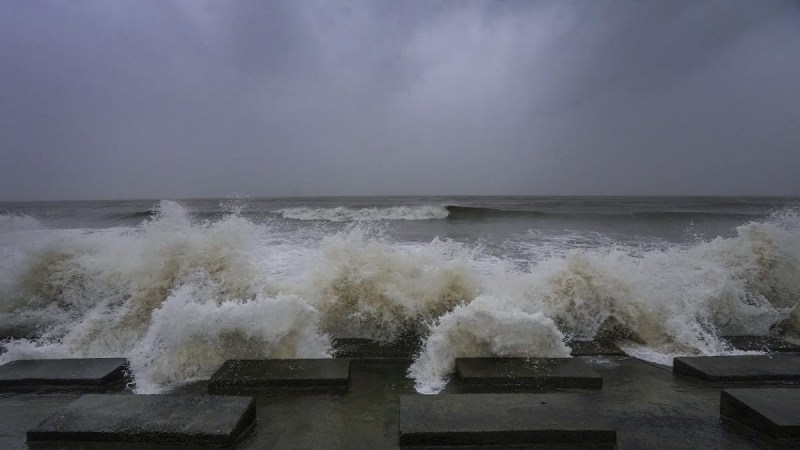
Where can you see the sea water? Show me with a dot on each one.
(178, 287)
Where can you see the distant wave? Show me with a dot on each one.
(18, 222)
(345, 214)
(474, 212)
(432, 212)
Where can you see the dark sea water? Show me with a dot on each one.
(180, 286)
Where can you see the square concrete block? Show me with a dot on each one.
(742, 368)
(248, 375)
(366, 348)
(534, 373)
(503, 419)
(761, 343)
(774, 412)
(595, 348)
(60, 374)
(161, 419)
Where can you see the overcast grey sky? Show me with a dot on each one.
(195, 98)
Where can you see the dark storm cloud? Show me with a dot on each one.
(109, 99)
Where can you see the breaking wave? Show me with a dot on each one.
(177, 297)
(18, 222)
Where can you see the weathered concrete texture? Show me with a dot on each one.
(93, 374)
(533, 373)
(741, 368)
(503, 419)
(761, 343)
(248, 375)
(595, 348)
(774, 412)
(367, 348)
(164, 419)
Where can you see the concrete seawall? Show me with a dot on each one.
(601, 401)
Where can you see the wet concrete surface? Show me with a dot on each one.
(481, 374)
(497, 419)
(89, 374)
(772, 411)
(761, 343)
(645, 403)
(187, 419)
(251, 376)
(782, 367)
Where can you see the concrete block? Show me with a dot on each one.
(595, 348)
(774, 412)
(533, 373)
(503, 419)
(761, 343)
(164, 419)
(742, 368)
(252, 375)
(93, 374)
(366, 348)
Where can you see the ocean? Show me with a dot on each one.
(178, 287)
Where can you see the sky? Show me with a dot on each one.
(117, 99)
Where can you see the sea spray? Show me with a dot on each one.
(178, 295)
(366, 287)
(107, 293)
(488, 326)
(192, 333)
(657, 303)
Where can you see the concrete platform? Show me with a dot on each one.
(526, 373)
(645, 403)
(761, 343)
(366, 348)
(744, 368)
(243, 376)
(503, 419)
(149, 419)
(595, 348)
(774, 412)
(91, 374)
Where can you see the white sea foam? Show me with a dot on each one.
(345, 214)
(171, 286)
(485, 327)
(178, 297)
(18, 222)
(367, 287)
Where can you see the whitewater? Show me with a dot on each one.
(178, 287)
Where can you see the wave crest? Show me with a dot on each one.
(10, 223)
(365, 287)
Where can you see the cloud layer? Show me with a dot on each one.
(197, 98)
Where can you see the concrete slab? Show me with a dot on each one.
(761, 343)
(93, 374)
(251, 375)
(533, 373)
(743, 368)
(774, 412)
(164, 419)
(366, 348)
(503, 419)
(595, 348)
